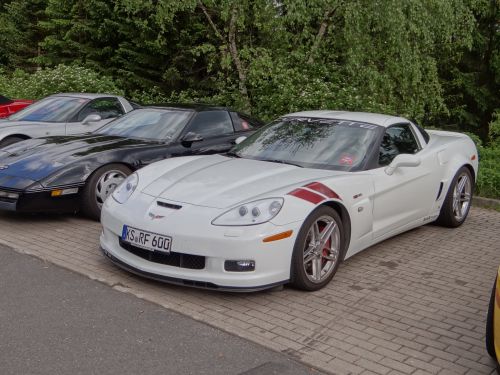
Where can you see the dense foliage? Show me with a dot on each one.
(437, 61)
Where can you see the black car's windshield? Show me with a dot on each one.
(311, 143)
(149, 123)
(51, 109)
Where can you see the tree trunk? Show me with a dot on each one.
(233, 49)
(327, 16)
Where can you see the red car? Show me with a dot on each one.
(10, 106)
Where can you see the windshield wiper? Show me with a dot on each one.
(283, 162)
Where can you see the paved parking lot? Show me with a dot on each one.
(414, 304)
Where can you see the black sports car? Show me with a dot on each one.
(72, 173)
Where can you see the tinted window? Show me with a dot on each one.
(212, 123)
(148, 123)
(51, 109)
(398, 139)
(243, 122)
(422, 131)
(105, 107)
(4, 100)
(313, 143)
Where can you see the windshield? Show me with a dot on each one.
(149, 123)
(51, 109)
(311, 143)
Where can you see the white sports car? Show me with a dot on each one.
(62, 114)
(289, 203)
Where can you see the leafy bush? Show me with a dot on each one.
(488, 180)
(62, 78)
(153, 95)
(494, 131)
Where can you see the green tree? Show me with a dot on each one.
(20, 32)
(473, 84)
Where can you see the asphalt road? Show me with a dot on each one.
(54, 321)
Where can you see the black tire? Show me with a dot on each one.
(447, 217)
(299, 279)
(90, 205)
(490, 343)
(10, 140)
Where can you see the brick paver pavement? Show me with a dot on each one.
(414, 304)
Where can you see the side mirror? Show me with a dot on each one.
(191, 137)
(403, 160)
(240, 139)
(91, 118)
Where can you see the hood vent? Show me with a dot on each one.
(169, 205)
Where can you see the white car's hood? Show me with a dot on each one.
(219, 182)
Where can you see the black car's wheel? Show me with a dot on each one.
(490, 343)
(10, 140)
(100, 185)
(318, 250)
(458, 200)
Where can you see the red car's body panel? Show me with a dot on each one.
(10, 106)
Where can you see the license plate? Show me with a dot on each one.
(146, 240)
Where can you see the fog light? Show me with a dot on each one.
(239, 265)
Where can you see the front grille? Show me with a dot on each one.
(194, 262)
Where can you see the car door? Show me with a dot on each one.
(407, 195)
(107, 108)
(216, 130)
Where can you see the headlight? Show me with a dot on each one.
(252, 213)
(123, 192)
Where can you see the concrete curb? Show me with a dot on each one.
(486, 203)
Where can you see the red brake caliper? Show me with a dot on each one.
(327, 245)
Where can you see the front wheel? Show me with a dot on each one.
(457, 203)
(101, 185)
(490, 341)
(318, 250)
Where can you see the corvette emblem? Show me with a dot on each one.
(153, 216)
(2, 167)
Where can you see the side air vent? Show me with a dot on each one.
(169, 205)
(440, 191)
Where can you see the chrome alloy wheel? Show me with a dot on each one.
(461, 196)
(108, 182)
(322, 249)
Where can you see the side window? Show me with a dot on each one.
(105, 107)
(243, 122)
(398, 139)
(211, 123)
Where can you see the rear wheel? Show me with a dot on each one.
(10, 140)
(100, 185)
(490, 343)
(457, 203)
(318, 250)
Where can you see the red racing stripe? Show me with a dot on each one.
(307, 195)
(323, 189)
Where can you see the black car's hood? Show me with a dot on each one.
(36, 159)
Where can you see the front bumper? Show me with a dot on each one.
(42, 201)
(193, 235)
